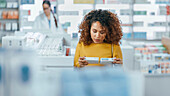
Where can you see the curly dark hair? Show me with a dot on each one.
(108, 20)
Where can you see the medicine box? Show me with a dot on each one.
(92, 60)
(106, 60)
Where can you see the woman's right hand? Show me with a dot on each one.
(82, 62)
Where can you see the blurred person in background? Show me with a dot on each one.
(46, 20)
(100, 37)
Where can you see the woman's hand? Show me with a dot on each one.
(82, 62)
(117, 61)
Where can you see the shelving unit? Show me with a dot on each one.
(9, 17)
(123, 10)
(137, 16)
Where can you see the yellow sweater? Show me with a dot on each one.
(103, 50)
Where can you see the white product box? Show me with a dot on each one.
(157, 57)
(9, 4)
(15, 5)
(14, 26)
(166, 57)
(8, 26)
(92, 60)
(106, 60)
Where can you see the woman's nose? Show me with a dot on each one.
(97, 34)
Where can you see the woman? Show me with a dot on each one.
(46, 20)
(100, 36)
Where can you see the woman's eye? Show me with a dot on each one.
(102, 32)
(94, 31)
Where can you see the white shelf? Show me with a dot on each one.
(124, 19)
(145, 18)
(73, 19)
(7, 19)
(113, 6)
(152, 9)
(126, 29)
(9, 8)
(7, 31)
(144, 7)
(149, 29)
(74, 7)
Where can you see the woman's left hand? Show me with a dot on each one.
(117, 61)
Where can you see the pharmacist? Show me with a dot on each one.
(47, 19)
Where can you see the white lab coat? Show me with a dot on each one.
(41, 22)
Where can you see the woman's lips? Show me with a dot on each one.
(97, 40)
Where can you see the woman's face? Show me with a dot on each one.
(98, 32)
(46, 9)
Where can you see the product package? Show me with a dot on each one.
(4, 14)
(15, 5)
(106, 60)
(8, 26)
(15, 15)
(9, 5)
(10, 14)
(2, 4)
(92, 60)
(14, 26)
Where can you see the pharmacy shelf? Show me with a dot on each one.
(126, 29)
(146, 29)
(146, 18)
(143, 7)
(124, 19)
(4, 21)
(128, 13)
(9, 19)
(62, 7)
(113, 6)
(5, 31)
(9, 8)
